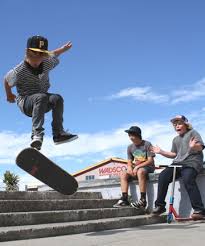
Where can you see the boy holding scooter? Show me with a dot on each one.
(187, 152)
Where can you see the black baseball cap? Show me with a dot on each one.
(38, 43)
(134, 130)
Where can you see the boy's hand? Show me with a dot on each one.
(155, 149)
(11, 98)
(62, 49)
(130, 171)
(67, 46)
(137, 162)
(135, 170)
(192, 143)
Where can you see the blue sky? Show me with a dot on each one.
(132, 62)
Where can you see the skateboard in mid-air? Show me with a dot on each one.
(42, 168)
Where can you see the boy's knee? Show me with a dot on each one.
(56, 98)
(141, 172)
(41, 98)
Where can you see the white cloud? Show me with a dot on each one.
(91, 147)
(144, 94)
(191, 93)
(104, 143)
(12, 143)
(27, 179)
(86, 144)
(186, 93)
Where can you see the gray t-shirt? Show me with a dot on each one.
(139, 153)
(186, 156)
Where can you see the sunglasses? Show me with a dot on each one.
(37, 54)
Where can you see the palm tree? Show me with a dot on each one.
(11, 181)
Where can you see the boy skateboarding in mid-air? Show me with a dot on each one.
(31, 78)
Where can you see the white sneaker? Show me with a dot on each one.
(121, 203)
(36, 142)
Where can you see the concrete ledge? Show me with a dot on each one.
(152, 177)
(110, 189)
(50, 230)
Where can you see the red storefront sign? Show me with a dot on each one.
(113, 171)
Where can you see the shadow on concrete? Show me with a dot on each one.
(184, 226)
(108, 232)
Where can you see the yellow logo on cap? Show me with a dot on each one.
(41, 44)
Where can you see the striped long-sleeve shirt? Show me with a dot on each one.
(27, 82)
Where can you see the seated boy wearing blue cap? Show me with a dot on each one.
(140, 164)
(31, 78)
(187, 152)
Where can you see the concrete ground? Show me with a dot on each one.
(183, 234)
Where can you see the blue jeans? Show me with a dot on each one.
(37, 105)
(188, 175)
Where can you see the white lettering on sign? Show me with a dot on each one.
(111, 170)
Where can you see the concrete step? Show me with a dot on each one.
(31, 218)
(49, 205)
(57, 229)
(46, 195)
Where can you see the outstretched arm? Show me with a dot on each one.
(158, 150)
(10, 96)
(62, 49)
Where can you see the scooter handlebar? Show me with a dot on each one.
(172, 165)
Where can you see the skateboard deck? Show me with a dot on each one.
(42, 168)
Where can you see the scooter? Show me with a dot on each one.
(172, 214)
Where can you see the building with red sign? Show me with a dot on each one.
(106, 169)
